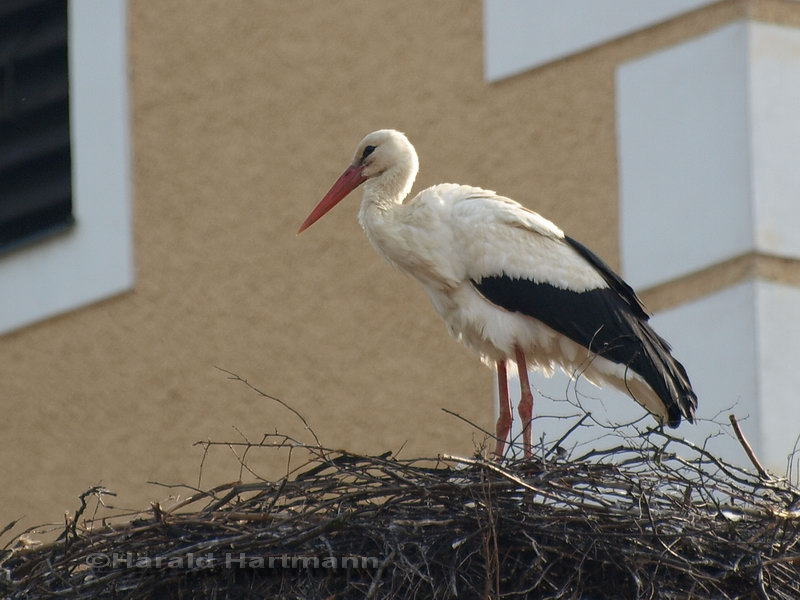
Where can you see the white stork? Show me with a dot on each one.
(511, 285)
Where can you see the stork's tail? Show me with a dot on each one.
(666, 376)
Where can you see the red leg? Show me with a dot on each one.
(525, 401)
(505, 418)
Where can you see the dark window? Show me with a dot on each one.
(35, 165)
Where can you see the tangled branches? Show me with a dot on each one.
(652, 517)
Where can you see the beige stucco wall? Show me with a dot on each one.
(243, 114)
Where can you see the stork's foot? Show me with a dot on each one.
(503, 427)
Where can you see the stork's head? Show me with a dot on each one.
(385, 158)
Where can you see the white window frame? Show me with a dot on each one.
(93, 260)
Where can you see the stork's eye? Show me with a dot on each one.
(367, 151)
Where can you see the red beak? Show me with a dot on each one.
(347, 182)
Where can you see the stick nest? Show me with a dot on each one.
(653, 517)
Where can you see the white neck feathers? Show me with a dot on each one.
(387, 191)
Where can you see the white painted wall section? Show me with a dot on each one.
(523, 34)
(708, 135)
(778, 343)
(684, 157)
(715, 338)
(774, 59)
(94, 260)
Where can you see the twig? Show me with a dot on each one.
(470, 423)
(9, 526)
(495, 468)
(560, 441)
(308, 427)
(748, 449)
(373, 587)
(72, 524)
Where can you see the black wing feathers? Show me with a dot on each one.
(614, 281)
(610, 322)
